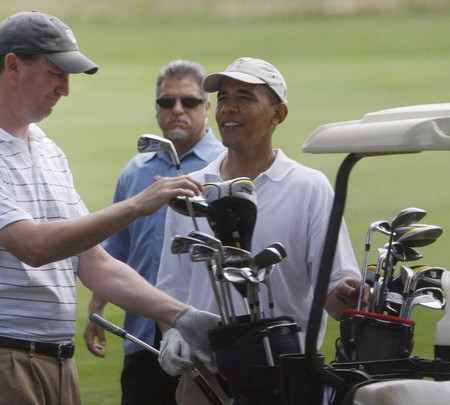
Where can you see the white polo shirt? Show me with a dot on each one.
(294, 204)
(36, 303)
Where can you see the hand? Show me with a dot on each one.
(193, 325)
(347, 292)
(93, 332)
(175, 353)
(164, 189)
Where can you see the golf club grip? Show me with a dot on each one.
(110, 327)
(204, 386)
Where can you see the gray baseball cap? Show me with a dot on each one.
(35, 33)
(249, 70)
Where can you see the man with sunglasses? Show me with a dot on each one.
(294, 203)
(182, 109)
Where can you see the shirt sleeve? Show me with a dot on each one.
(10, 210)
(344, 263)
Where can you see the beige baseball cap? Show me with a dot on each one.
(249, 70)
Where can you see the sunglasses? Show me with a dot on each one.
(186, 102)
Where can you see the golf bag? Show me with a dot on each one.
(248, 356)
(368, 336)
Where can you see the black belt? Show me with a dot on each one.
(60, 351)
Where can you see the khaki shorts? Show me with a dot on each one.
(35, 379)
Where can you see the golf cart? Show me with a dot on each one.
(394, 131)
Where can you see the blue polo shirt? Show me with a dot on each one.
(140, 244)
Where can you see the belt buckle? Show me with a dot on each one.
(65, 351)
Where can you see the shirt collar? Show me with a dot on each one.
(279, 169)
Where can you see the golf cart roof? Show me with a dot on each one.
(397, 130)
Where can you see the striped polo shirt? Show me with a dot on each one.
(36, 303)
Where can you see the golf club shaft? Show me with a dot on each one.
(188, 201)
(199, 379)
(363, 280)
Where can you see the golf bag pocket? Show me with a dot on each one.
(369, 336)
(246, 346)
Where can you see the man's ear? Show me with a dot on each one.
(12, 63)
(281, 112)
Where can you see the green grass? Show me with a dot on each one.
(338, 66)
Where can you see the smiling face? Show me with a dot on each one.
(246, 115)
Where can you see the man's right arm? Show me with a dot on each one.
(39, 243)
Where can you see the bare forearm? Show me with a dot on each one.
(115, 282)
(40, 243)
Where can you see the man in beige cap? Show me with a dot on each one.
(47, 236)
(294, 203)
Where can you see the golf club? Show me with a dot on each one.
(155, 143)
(183, 244)
(379, 226)
(404, 218)
(215, 243)
(265, 260)
(430, 297)
(198, 378)
(418, 234)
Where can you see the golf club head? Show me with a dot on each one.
(155, 143)
(236, 257)
(430, 297)
(398, 251)
(407, 217)
(406, 275)
(270, 255)
(209, 240)
(202, 253)
(200, 206)
(418, 234)
(379, 226)
(181, 244)
(240, 277)
(233, 210)
(428, 277)
(242, 187)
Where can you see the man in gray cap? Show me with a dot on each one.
(294, 203)
(47, 236)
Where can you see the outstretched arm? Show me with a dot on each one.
(39, 243)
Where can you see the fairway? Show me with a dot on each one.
(338, 66)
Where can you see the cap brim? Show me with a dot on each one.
(212, 82)
(72, 62)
